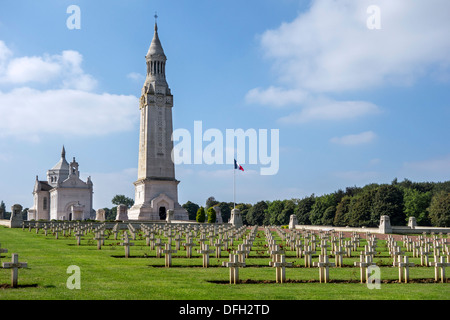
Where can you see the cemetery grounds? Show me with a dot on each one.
(106, 274)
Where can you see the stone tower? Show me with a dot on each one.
(156, 186)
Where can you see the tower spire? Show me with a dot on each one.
(63, 153)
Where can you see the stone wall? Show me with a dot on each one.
(385, 227)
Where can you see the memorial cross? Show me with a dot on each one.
(280, 265)
(339, 253)
(168, 255)
(234, 264)
(241, 252)
(14, 265)
(99, 237)
(189, 244)
(205, 251)
(364, 262)
(403, 269)
(126, 244)
(439, 265)
(218, 246)
(323, 266)
(308, 252)
(424, 253)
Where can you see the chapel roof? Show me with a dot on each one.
(62, 163)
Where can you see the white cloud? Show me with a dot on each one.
(329, 49)
(66, 106)
(355, 139)
(332, 111)
(275, 96)
(31, 69)
(136, 76)
(28, 112)
(5, 53)
(63, 69)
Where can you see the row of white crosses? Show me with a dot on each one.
(366, 257)
(207, 237)
(14, 265)
(237, 260)
(225, 235)
(423, 247)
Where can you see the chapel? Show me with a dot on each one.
(63, 196)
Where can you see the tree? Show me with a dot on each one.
(274, 209)
(288, 210)
(360, 208)
(110, 214)
(2, 210)
(243, 208)
(342, 211)
(192, 209)
(328, 216)
(25, 214)
(321, 204)
(121, 199)
(211, 213)
(303, 209)
(416, 204)
(225, 210)
(256, 214)
(211, 202)
(439, 210)
(388, 200)
(200, 215)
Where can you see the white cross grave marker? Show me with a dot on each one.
(14, 265)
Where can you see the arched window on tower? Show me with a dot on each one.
(44, 203)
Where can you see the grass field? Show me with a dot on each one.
(107, 275)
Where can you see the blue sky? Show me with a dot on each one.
(353, 105)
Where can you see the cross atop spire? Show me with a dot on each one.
(156, 20)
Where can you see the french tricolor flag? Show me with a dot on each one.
(237, 165)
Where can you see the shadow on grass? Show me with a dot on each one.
(250, 281)
(8, 286)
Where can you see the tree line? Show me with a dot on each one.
(428, 202)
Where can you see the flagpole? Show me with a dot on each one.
(234, 186)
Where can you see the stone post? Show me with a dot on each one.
(412, 223)
(77, 211)
(122, 213)
(236, 218)
(292, 221)
(100, 215)
(16, 216)
(218, 214)
(169, 216)
(385, 225)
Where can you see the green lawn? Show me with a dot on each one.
(107, 275)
